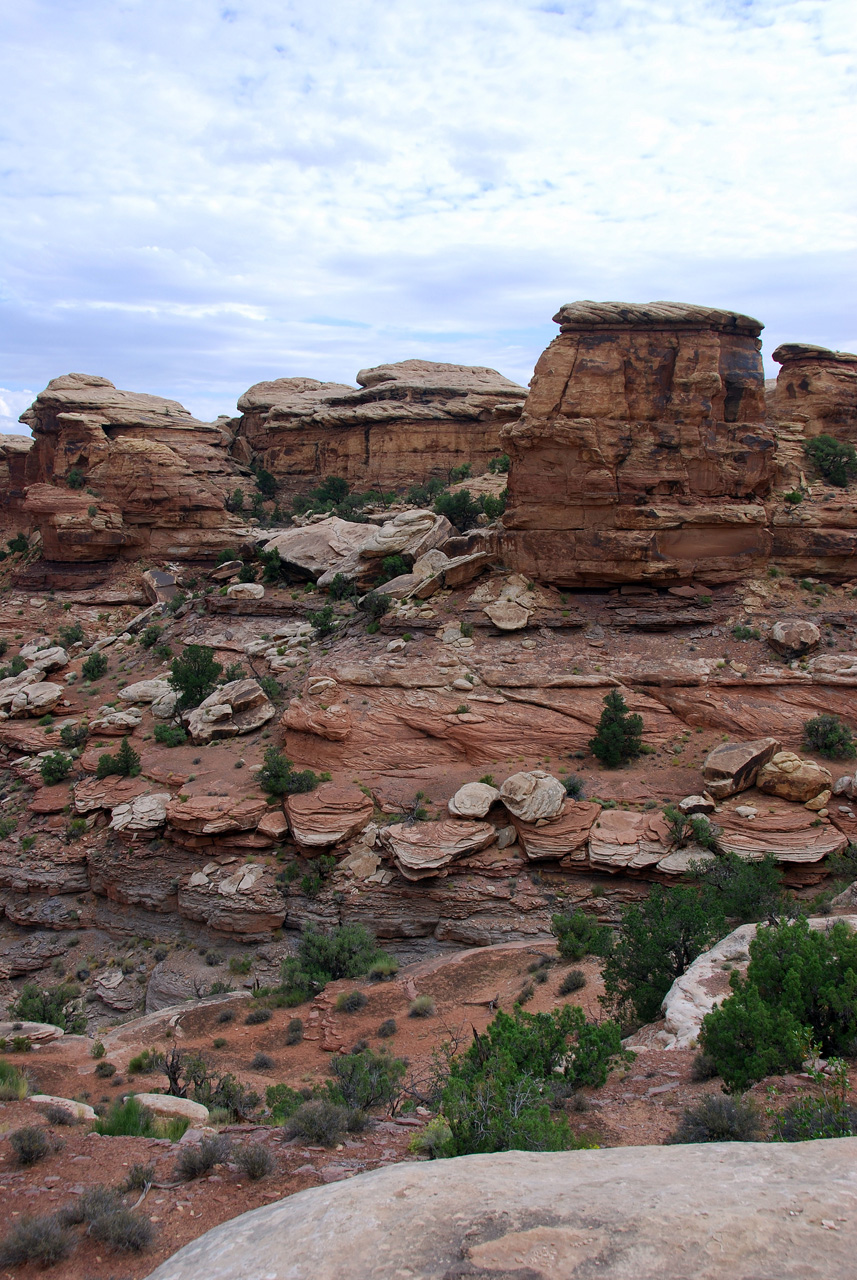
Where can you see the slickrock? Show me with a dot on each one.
(786, 775)
(77, 1110)
(320, 712)
(794, 637)
(620, 840)
(105, 793)
(246, 591)
(642, 454)
(241, 706)
(734, 766)
(790, 832)
(36, 1032)
(164, 1104)
(533, 795)
(403, 424)
(215, 815)
(564, 836)
(324, 548)
(141, 817)
(146, 691)
(473, 800)
(426, 848)
(328, 816)
(718, 1211)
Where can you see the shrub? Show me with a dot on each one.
(835, 459)
(746, 891)
(703, 1067)
(104, 1070)
(139, 1176)
(322, 621)
(150, 635)
(73, 735)
(225, 1015)
(350, 1002)
(500, 464)
(71, 633)
(256, 1017)
(284, 1101)
(387, 1028)
(278, 777)
(93, 1203)
(294, 1031)
(574, 980)
(619, 734)
(579, 935)
(126, 762)
(57, 1006)
(123, 1230)
(658, 939)
(261, 1062)
(345, 952)
(198, 1158)
(392, 567)
(30, 1145)
(493, 507)
(422, 1007)
(43, 1240)
(319, 1122)
(128, 1119)
(383, 969)
(684, 828)
(143, 1063)
(254, 1161)
(716, 1118)
(434, 1141)
(194, 675)
(94, 667)
(75, 479)
(829, 737)
(19, 544)
(800, 982)
(170, 735)
(375, 604)
(825, 1115)
(55, 768)
(342, 588)
(574, 786)
(14, 1085)
(367, 1079)
(460, 509)
(240, 964)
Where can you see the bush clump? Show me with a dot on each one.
(318, 1121)
(829, 737)
(348, 951)
(254, 1161)
(367, 1079)
(123, 1230)
(294, 1031)
(30, 1145)
(55, 768)
(387, 1028)
(278, 777)
(170, 735)
(58, 1006)
(422, 1007)
(350, 1002)
(194, 675)
(619, 736)
(745, 891)
(198, 1158)
(14, 1085)
(43, 1240)
(94, 667)
(126, 762)
(835, 459)
(256, 1017)
(573, 981)
(579, 935)
(719, 1118)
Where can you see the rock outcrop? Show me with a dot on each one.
(642, 454)
(404, 424)
(718, 1211)
(161, 477)
(735, 766)
(328, 816)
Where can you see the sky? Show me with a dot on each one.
(196, 196)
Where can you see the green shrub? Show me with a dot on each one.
(170, 735)
(58, 1006)
(123, 1230)
(14, 1085)
(318, 1122)
(387, 1028)
(827, 1114)
(240, 964)
(19, 544)
(94, 667)
(71, 633)
(658, 939)
(422, 495)
(30, 1145)
(579, 935)
(256, 1017)
(703, 1067)
(322, 621)
(75, 479)
(800, 983)
(835, 459)
(493, 507)
(618, 738)
(793, 497)
(43, 1240)
(341, 588)
(350, 1002)
(16, 666)
(294, 1031)
(574, 786)
(716, 1118)
(434, 1141)
(422, 1007)
(261, 1062)
(366, 1079)
(198, 1158)
(150, 636)
(55, 768)
(73, 735)
(105, 1070)
(348, 951)
(573, 981)
(828, 736)
(684, 828)
(284, 1101)
(500, 464)
(746, 891)
(126, 762)
(254, 1161)
(128, 1119)
(194, 675)
(743, 632)
(461, 509)
(278, 777)
(384, 968)
(392, 567)
(139, 1176)
(375, 604)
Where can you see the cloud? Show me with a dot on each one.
(196, 197)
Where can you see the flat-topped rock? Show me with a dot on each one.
(216, 815)
(621, 840)
(714, 1211)
(329, 815)
(584, 316)
(425, 848)
(563, 836)
(788, 831)
(734, 766)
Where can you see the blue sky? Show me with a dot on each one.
(196, 195)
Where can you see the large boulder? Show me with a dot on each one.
(146, 690)
(170, 1108)
(533, 795)
(564, 836)
(473, 800)
(140, 817)
(424, 849)
(792, 637)
(216, 815)
(716, 1211)
(36, 699)
(786, 775)
(327, 816)
(241, 706)
(733, 767)
(621, 840)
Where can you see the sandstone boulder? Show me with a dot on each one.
(146, 691)
(697, 804)
(790, 832)
(794, 637)
(113, 723)
(12, 686)
(104, 793)
(786, 775)
(165, 1105)
(327, 816)
(76, 1110)
(733, 766)
(159, 586)
(425, 848)
(36, 699)
(326, 548)
(507, 615)
(141, 816)
(564, 836)
(533, 795)
(619, 840)
(717, 1211)
(241, 706)
(473, 800)
(52, 658)
(245, 591)
(36, 1032)
(215, 815)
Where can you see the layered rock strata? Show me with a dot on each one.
(642, 454)
(403, 424)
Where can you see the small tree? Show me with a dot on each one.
(746, 891)
(59, 1006)
(835, 459)
(579, 935)
(829, 737)
(194, 675)
(279, 777)
(460, 509)
(55, 768)
(619, 736)
(94, 667)
(126, 762)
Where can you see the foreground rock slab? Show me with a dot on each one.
(718, 1211)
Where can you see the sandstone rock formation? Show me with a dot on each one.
(792, 833)
(406, 423)
(426, 848)
(793, 637)
(533, 795)
(234, 708)
(718, 1211)
(162, 478)
(734, 766)
(642, 453)
(328, 816)
(816, 388)
(786, 775)
(473, 800)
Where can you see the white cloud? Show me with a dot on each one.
(12, 405)
(199, 196)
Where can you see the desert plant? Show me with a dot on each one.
(835, 459)
(104, 1070)
(573, 786)
(43, 1240)
(460, 509)
(14, 1085)
(579, 935)
(29, 1144)
(294, 1031)
(170, 735)
(71, 633)
(719, 1118)
(194, 675)
(348, 951)
(261, 1062)
(254, 1161)
(744, 890)
(375, 604)
(139, 1176)
(573, 981)
(387, 1028)
(94, 667)
(55, 768)
(421, 1007)
(256, 1017)
(126, 762)
(350, 1002)
(703, 1067)
(58, 1006)
(150, 635)
(322, 621)
(434, 1141)
(123, 1230)
(500, 464)
(198, 1158)
(618, 738)
(128, 1118)
(383, 969)
(278, 777)
(318, 1121)
(73, 735)
(367, 1079)
(827, 735)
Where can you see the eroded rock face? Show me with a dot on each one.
(235, 708)
(403, 424)
(163, 477)
(642, 454)
(816, 388)
(425, 848)
(734, 766)
(332, 546)
(792, 833)
(328, 816)
(546, 1216)
(786, 775)
(564, 836)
